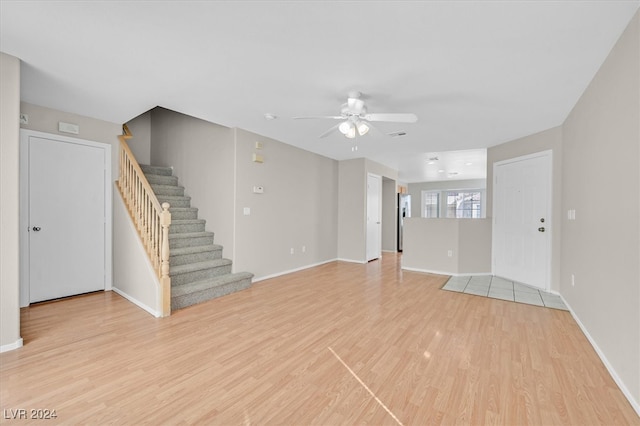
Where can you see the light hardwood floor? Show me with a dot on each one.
(303, 349)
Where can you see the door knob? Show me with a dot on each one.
(541, 229)
(36, 228)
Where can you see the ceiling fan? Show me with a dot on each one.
(355, 120)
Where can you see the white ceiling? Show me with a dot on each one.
(476, 73)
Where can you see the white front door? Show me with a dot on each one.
(67, 200)
(522, 220)
(374, 215)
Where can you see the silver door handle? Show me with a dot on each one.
(541, 229)
(36, 228)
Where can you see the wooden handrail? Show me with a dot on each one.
(152, 219)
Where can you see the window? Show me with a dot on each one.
(464, 204)
(453, 203)
(430, 204)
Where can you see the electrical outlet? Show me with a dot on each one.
(292, 250)
(450, 253)
(573, 280)
(304, 249)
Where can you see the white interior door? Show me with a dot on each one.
(522, 220)
(67, 218)
(374, 217)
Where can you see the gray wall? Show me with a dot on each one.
(140, 143)
(9, 189)
(44, 119)
(352, 202)
(202, 156)
(133, 273)
(428, 241)
(389, 215)
(215, 165)
(299, 207)
(352, 210)
(601, 181)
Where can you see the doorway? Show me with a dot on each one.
(522, 222)
(65, 216)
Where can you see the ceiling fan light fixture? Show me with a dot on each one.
(345, 127)
(352, 132)
(363, 128)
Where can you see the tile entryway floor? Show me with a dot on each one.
(500, 288)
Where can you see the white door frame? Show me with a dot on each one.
(25, 135)
(548, 218)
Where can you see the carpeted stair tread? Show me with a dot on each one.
(156, 170)
(161, 179)
(168, 198)
(187, 221)
(198, 271)
(183, 212)
(187, 226)
(186, 255)
(174, 190)
(206, 284)
(193, 250)
(198, 266)
(190, 235)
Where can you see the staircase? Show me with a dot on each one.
(197, 270)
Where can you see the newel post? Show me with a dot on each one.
(165, 280)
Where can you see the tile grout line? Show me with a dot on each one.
(365, 386)
(514, 292)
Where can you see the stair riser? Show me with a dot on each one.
(208, 294)
(190, 242)
(175, 203)
(168, 190)
(162, 180)
(185, 259)
(203, 274)
(184, 215)
(182, 228)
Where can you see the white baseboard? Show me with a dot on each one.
(137, 303)
(635, 404)
(453, 274)
(362, 262)
(11, 346)
(277, 274)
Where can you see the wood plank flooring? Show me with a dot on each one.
(274, 354)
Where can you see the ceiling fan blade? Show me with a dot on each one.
(380, 132)
(330, 117)
(392, 117)
(328, 132)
